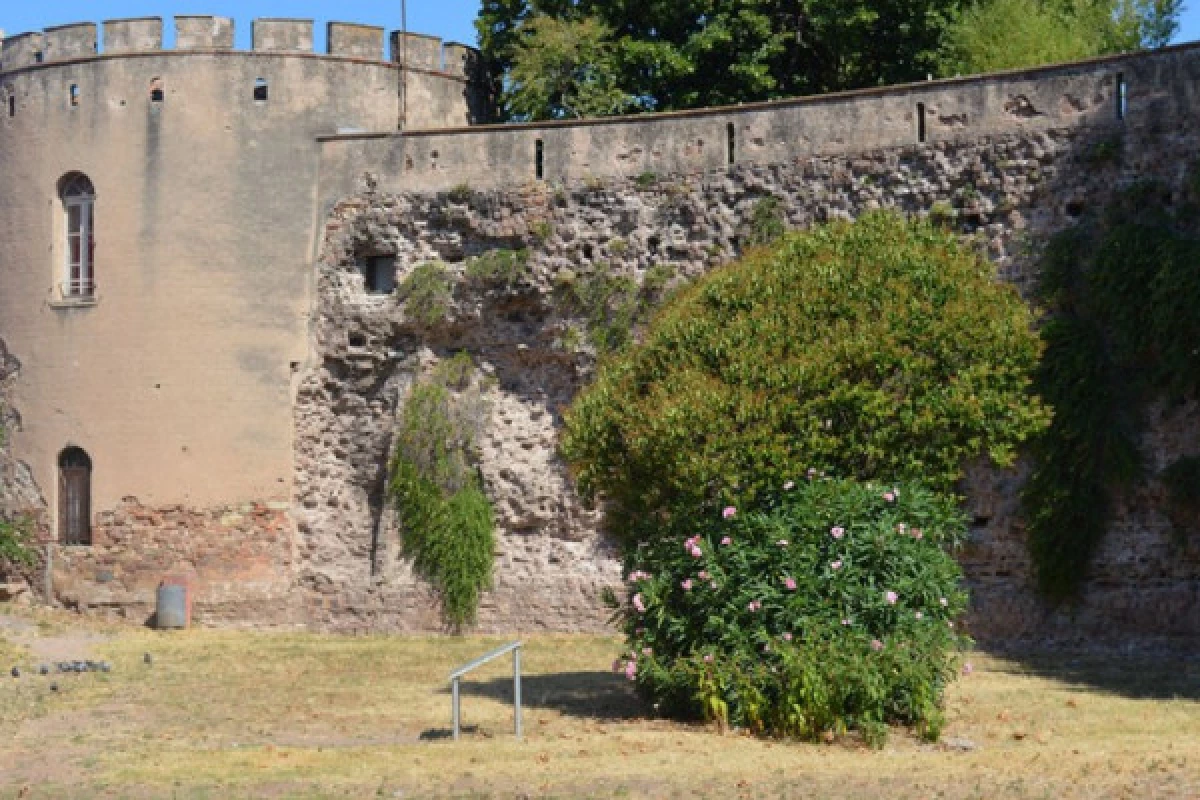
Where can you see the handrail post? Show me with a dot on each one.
(517, 689)
(455, 702)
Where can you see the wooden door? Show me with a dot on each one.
(75, 501)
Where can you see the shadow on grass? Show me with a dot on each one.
(592, 695)
(1134, 676)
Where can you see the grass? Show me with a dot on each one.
(236, 714)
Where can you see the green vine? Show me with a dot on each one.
(1123, 294)
(437, 492)
(16, 537)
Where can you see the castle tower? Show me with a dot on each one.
(158, 218)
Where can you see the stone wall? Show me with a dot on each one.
(1007, 193)
(237, 561)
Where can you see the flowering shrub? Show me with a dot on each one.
(828, 608)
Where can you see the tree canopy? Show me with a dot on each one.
(561, 59)
(661, 55)
(1007, 34)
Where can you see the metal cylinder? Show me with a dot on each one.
(171, 608)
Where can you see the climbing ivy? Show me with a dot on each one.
(1122, 292)
(437, 492)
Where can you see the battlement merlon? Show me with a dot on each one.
(416, 50)
(22, 50)
(63, 42)
(203, 33)
(354, 41)
(140, 35)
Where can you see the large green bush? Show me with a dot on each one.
(829, 608)
(446, 519)
(880, 349)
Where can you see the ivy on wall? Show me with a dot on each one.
(1122, 290)
(448, 530)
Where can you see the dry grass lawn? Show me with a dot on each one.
(235, 714)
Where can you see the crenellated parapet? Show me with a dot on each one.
(194, 33)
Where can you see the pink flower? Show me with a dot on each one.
(782, 543)
(889, 496)
(846, 622)
(787, 637)
(967, 668)
(647, 651)
(703, 575)
(836, 565)
(891, 597)
(916, 534)
(708, 659)
(790, 583)
(687, 585)
(753, 605)
(943, 601)
(638, 575)
(728, 512)
(901, 528)
(726, 541)
(812, 473)
(639, 603)
(696, 552)
(837, 532)
(631, 670)
(787, 487)
(876, 645)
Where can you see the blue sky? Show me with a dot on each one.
(450, 19)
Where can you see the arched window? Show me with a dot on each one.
(79, 200)
(74, 497)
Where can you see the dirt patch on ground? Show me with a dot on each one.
(48, 644)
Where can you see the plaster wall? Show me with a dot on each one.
(177, 380)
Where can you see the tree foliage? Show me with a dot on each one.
(882, 349)
(671, 54)
(1004, 34)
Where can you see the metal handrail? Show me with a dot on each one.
(515, 649)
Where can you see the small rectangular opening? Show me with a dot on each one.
(74, 94)
(12, 105)
(1122, 96)
(260, 91)
(539, 160)
(921, 122)
(379, 275)
(730, 143)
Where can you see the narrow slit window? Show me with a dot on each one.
(730, 143)
(156, 90)
(921, 122)
(539, 159)
(73, 94)
(1122, 96)
(260, 91)
(12, 105)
